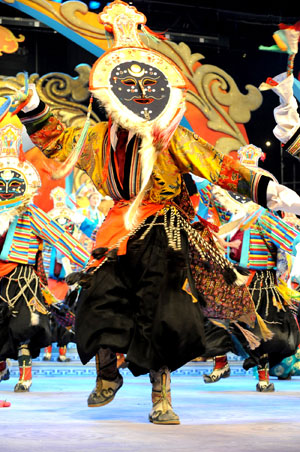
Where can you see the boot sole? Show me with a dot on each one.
(96, 405)
(22, 390)
(164, 422)
(207, 379)
(106, 402)
(270, 388)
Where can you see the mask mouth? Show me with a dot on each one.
(143, 101)
(7, 195)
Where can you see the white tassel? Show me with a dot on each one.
(35, 319)
(241, 280)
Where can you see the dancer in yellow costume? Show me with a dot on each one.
(138, 296)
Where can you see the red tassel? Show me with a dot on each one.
(20, 106)
(263, 157)
(209, 225)
(294, 27)
(157, 35)
(271, 82)
(22, 157)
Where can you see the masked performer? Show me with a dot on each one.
(138, 296)
(261, 234)
(24, 319)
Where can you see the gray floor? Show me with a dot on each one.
(228, 415)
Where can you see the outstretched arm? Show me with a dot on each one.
(193, 154)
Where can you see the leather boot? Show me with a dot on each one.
(108, 381)
(221, 370)
(25, 379)
(62, 355)
(264, 384)
(162, 411)
(47, 353)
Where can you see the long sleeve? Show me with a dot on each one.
(286, 114)
(49, 230)
(278, 232)
(57, 142)
(194, 155)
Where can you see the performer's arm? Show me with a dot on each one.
(280, 233)
(85, 225)
(286, 114)
(52, 232)
(54, 140)
(193, 154)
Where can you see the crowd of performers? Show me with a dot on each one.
(154, 283)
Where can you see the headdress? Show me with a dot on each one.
(61, 213)
(249, 156)
(19, 180)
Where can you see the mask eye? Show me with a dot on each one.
(149, 82)
(128, 82)
(2, 183)
(14, 184)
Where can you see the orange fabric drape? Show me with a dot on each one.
(113, 228)
(7, 267)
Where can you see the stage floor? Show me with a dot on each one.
(225, 416)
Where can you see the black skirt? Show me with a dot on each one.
(17, 324)
(143, 304)
(278, 317)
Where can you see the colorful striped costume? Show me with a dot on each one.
(26, 233)
(262, 235)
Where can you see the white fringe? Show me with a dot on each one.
(147, 151)
(35, 319)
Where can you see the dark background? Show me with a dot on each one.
(232, 32)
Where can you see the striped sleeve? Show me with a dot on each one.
(281, 234)
(36, 118)
(49, 230)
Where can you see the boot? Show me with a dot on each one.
(25, 379)
(221, 370)
(108, 381)
(62, 355)
(264, 384)
(162, 411)
(47, 353)
(4, 371)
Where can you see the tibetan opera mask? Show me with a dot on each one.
(142, 88)
(12, 184)
(19, 180)
(135, 83)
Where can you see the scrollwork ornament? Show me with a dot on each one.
(63, 93)
(211, 90)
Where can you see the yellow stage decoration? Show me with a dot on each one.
(8, 41)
